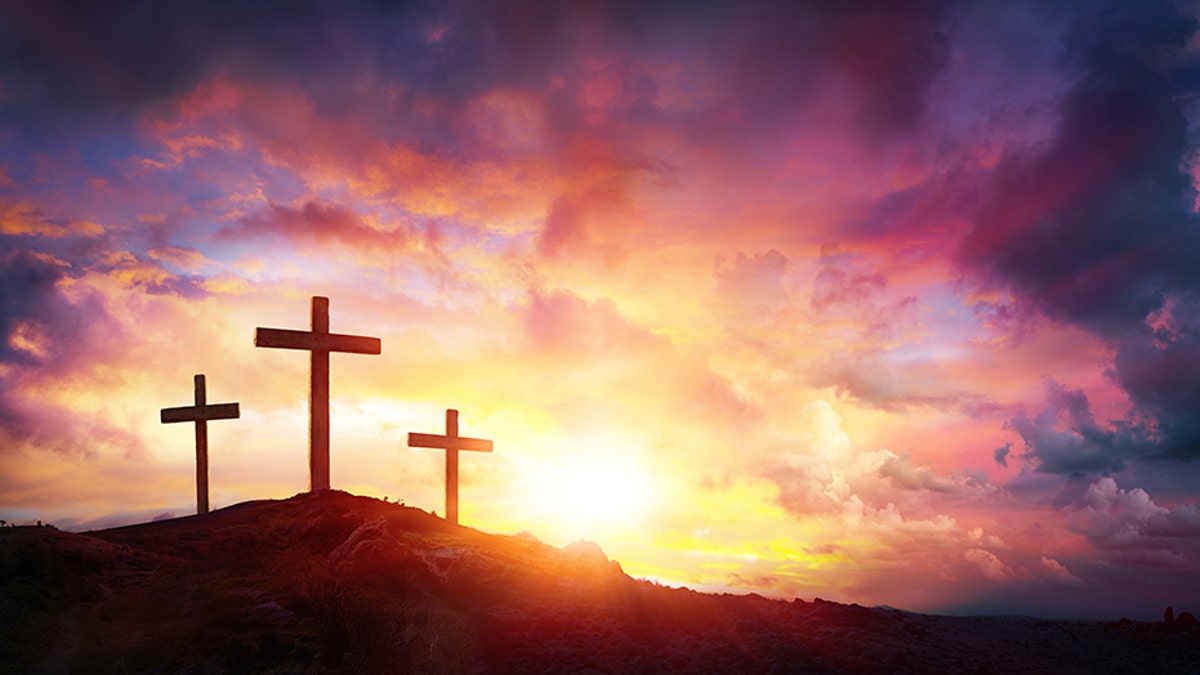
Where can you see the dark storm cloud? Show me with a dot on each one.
(768, 63)
(889, 52)
(1066, 438)
(98, 56)
(28, 298)
(64, 65)
(1001, 453)
(93, 54)
(1162, 376)
(914, 213)
(1095, 227)
(44, 333)
(93, 61)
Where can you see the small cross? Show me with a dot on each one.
(320, 342)
(200, 413)
(451, 443)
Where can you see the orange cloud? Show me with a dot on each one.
(23, 218)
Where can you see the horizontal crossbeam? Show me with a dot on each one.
(416, 440)
(191, 413)
(281, 338)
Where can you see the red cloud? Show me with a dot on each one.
(316, 223)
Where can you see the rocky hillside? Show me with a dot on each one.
(337, 583)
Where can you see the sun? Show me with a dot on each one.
(593, 492)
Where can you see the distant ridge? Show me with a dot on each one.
(331, 582)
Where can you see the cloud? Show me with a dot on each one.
(184, 258)
(1065, 437)
(22, 218)
(28, 283)
(1095, 226)
(570, 226)
(872, 353)
(1001, 453)
(1160, 370)
(989, 564)
(45, 426)
(48, 335)
(824, 473)
(844, 291)
(752, 286)
(92, 60)
(888, 382)
(838, 286)
(1160, 377)
(319, 224)
(921, 220)
(901, 472)
(41, 325)
(558, 321)
(146, 273)
(586, 363)
(1089, 227)
(1129, 525)
(1055, 572)
(888, 55)
(1045, 571)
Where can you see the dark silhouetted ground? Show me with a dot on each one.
(337, 583)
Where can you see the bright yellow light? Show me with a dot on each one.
(595, 491)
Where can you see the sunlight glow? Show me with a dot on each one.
(603, 489)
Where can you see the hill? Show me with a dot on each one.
(331, 582)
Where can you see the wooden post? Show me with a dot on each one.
(200, 413)
(200, 396)
(452, 467)
(318, 401)
(320, 342)
(451, 443)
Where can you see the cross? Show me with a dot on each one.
(451, 443)
(320, 342)
(200, 413)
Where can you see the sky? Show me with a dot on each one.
(895, 303)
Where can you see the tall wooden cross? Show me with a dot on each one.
(200, 413)
(451, 443)
(320, 342)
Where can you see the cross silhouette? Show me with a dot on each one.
(451, 443)
(320, 342)
(200, 413)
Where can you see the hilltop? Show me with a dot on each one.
(332, 582)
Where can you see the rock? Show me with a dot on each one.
(587, 550)
(1169, 616)
(1186, 619)
(368, 546)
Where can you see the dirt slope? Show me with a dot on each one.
(338, 583)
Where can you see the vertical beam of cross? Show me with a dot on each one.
(200, 413)
(318, 401)
(320, 342)
(451, 443)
